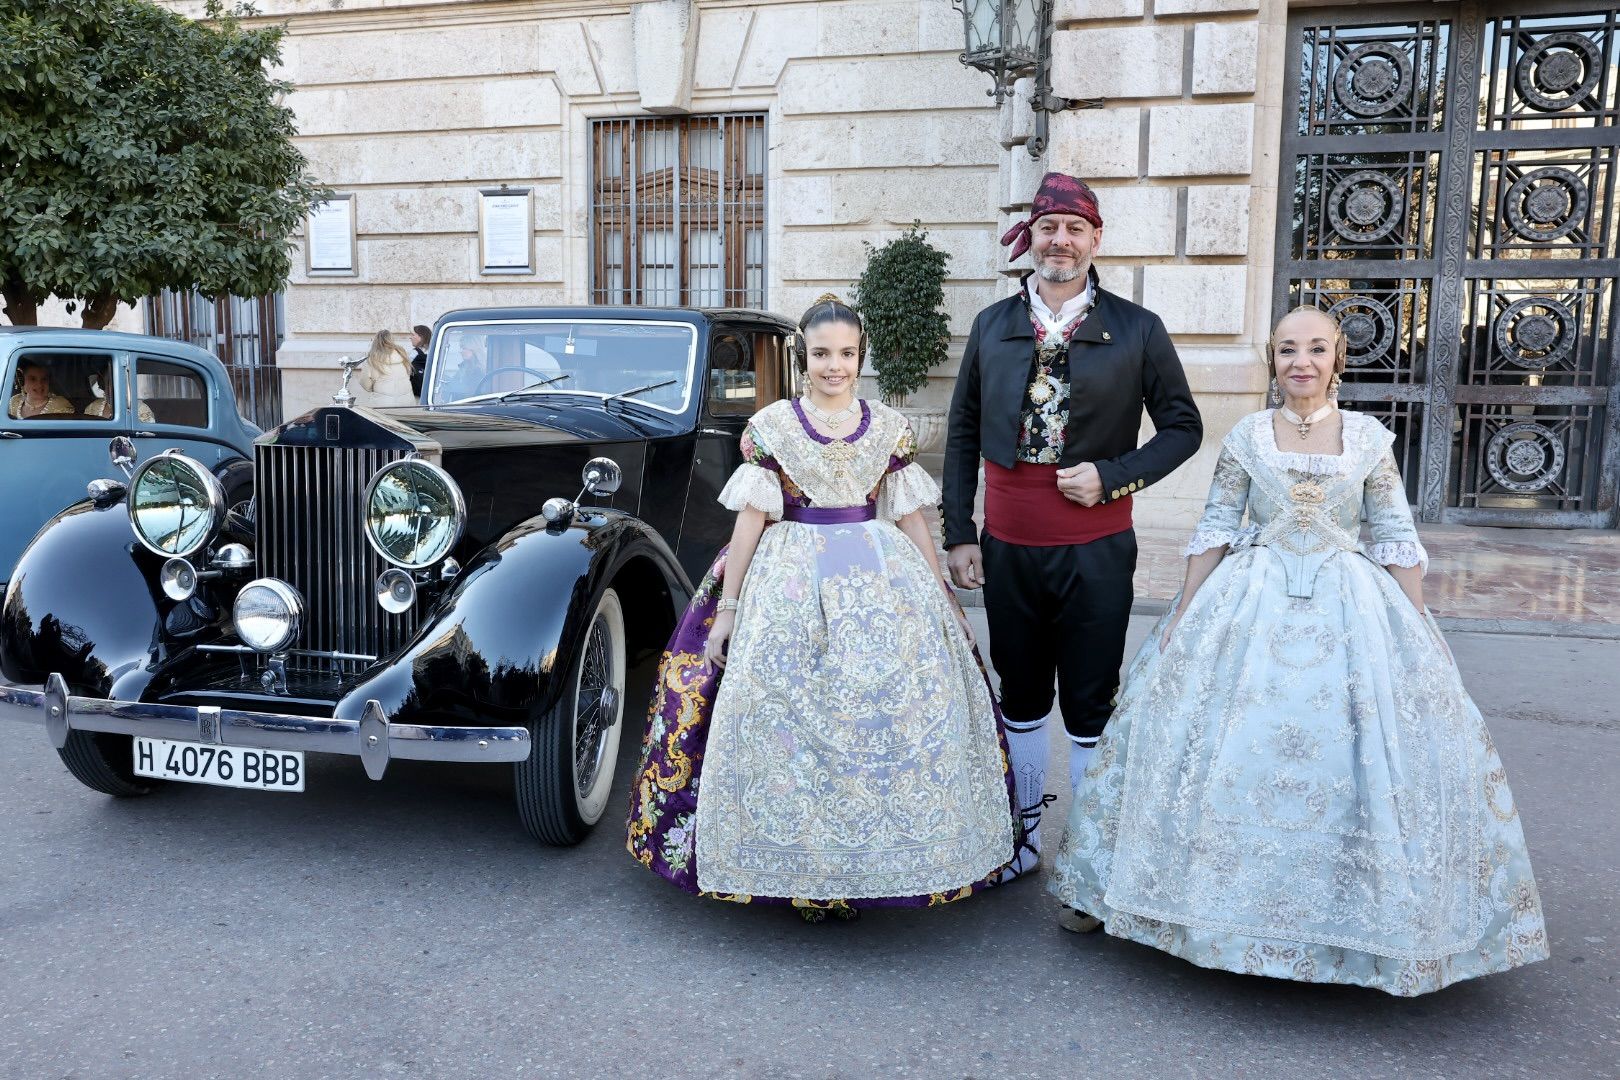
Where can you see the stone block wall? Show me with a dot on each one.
(413, 106)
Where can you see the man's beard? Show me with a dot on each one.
(1056, 276)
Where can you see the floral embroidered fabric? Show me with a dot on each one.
(1298, 784)
(1291, 508)
(852, 753)
(1044, 419)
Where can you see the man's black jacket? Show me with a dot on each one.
(1120, 361)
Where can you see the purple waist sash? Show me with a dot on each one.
(829, 515)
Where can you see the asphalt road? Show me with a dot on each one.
(408, 929)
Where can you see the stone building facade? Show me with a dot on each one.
(414, 110)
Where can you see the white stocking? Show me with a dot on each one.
(1029, 750)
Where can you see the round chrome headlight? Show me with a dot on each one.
(414, 513)
(267, 614)
(175, 505)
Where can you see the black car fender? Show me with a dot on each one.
(235, 478)
(82, 603)
(497, 647)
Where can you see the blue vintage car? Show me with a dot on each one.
(70, 392)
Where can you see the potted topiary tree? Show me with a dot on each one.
(901, 298)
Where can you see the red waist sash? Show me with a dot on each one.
(1022, 505)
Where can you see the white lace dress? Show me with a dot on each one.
(1299, 785)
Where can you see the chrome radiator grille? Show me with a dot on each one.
(309, 528)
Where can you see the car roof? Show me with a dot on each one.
(81, 337)
(625, 312)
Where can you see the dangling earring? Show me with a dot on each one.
(1333, 386)
(1276, 393)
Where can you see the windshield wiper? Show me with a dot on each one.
(502, 395)
(639, 390)
(535, 385)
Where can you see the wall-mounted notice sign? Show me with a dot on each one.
(331, 236)
(506, 231)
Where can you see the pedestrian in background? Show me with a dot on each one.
(421, 338)
(386, 375)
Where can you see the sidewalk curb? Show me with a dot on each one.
(1152, 606)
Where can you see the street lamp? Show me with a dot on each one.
(1008, 39)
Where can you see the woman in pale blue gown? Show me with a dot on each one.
(1295, 782)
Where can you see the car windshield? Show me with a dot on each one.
(587, 358)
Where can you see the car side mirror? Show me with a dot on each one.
(602, 476)
(122, 452)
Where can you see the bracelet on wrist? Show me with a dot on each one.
(728, 604)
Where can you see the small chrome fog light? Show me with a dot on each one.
(233, 557)
(267, 614)
(179, 579)
(396, 592)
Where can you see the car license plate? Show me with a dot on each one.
(223, 766)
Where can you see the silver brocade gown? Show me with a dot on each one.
(1299, 785)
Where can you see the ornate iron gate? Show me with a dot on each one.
(1448, 190)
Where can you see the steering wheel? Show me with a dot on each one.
(484, 383)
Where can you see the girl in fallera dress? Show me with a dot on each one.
(1295, 782)
(852, 755)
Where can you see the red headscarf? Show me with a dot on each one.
(1059, 194)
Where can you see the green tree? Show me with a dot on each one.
(901, 297)
(141, 150)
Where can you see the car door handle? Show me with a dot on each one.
(145, 434)
(10, 435)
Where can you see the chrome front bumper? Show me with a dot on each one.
(371, 738)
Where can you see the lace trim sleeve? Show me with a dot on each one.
(756, 486)
(1222, 523)
(1393, 534)
(1399, 553)
(1208, 538)
(904, 490)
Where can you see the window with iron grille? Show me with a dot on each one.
(244, 332)
(678, 211)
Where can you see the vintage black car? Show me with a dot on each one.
(426, 582)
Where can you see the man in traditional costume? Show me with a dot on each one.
(1050, 395)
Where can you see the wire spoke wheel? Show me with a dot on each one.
(562, 788)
